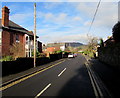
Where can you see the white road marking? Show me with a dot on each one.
(61, 72)
(43, 90)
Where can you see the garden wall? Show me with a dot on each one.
(110, 55)
(21, 64)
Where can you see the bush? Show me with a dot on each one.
(42, 55)
(7, 58)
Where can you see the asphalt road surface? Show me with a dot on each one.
(70, 77)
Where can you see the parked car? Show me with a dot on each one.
(75, 54)
(71, 55)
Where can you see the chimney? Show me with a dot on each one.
(5, 16)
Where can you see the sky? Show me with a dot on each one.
(65, 21)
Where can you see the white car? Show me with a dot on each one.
(71, 55)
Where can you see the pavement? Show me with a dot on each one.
(13, 77)
(109, 75)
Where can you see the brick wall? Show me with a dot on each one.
(5, 43)
(8, 38)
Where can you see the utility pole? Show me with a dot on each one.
(34, 34)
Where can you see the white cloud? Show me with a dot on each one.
(77, 18)
(51, 5)
(66, 38)
(50, 34)
(106, 16)
(20, 18)
(49, 16)
(60, 19)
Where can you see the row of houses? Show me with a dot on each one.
(11, 33)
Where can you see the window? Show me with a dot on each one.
(17, 38)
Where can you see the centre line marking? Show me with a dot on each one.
(61, 72)
(43, 90)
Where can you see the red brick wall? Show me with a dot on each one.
(6, 41)
(53, 49)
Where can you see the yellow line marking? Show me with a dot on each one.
(93, 84)
(100, 92)
(18, 81)
(95, 91)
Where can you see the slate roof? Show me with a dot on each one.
(16, 27)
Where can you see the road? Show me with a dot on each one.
(71, 77)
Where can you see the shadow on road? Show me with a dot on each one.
(109, 75)
(79, 85)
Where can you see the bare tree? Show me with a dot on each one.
(91, 46)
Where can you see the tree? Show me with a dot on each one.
(116, 32)
(101, 42)
(16, 50)
(91, 46)
(93, 42)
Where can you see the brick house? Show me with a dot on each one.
(11, 33)
(52, 50)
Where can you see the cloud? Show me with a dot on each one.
(106, 16)
(51, 34)
(77, 18)
(66, 38)
(59, 19)
(21, 18)
(52, 5)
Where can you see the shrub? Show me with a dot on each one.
(42, 55)
(7, 58)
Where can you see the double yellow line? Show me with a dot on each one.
(96, 88)
(20, 80)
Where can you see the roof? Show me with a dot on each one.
(53, 49)
(16, 27)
